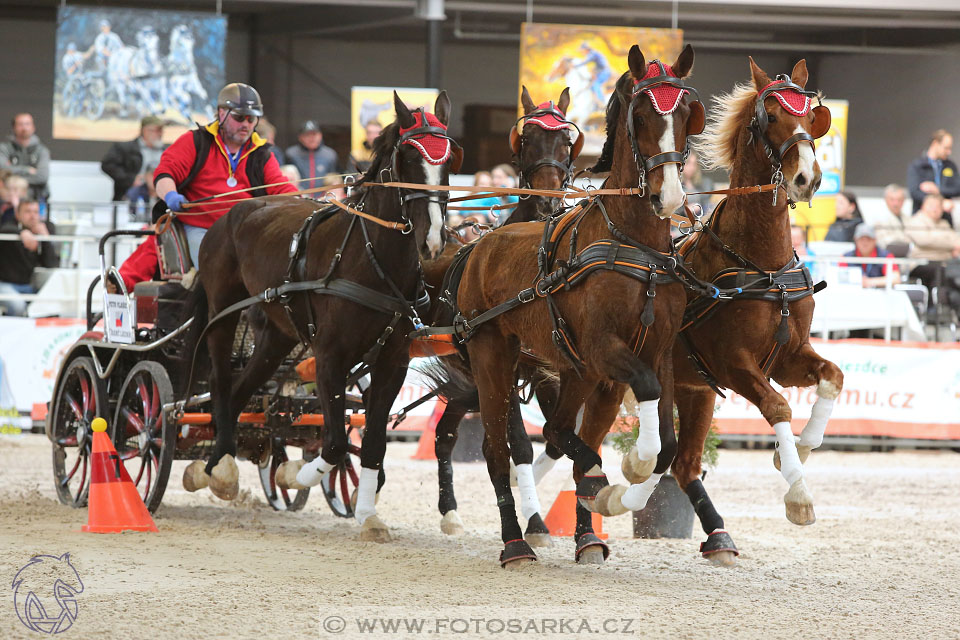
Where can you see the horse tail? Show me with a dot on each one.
(195, 307)
(451, 383)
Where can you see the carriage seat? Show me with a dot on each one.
(175, 262)
(159, 303)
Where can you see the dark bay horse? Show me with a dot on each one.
(610, 329)
(364, 286)
(762, 131)
(545, 149)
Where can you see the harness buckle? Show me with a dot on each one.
(527, 295)
(407, 228)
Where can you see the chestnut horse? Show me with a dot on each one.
(762, 131)
(612, 328)
(360, 283)
(544, 151)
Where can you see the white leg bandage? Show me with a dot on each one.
(812, 434)
(542, 466)
(312, 472)
(529, 502)
(637, 495)
(366, 494)
(648, 440)
(790, 465)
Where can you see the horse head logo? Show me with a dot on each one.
(45, 593)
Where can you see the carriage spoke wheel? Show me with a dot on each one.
(338, 485)
(278, 498)
(144, 437)
(78, 400)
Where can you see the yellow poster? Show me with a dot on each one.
(588, 59)
(831, 154)
(373, 106)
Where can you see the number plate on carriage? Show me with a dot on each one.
(119, 318)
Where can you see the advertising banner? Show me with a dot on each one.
(831, 155)
(115, 66)
(589, 60)
(371, 109)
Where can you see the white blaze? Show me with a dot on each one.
(671, 193)
(434, 240)
(805, 164)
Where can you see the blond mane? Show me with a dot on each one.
(717, 146)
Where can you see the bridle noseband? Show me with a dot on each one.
(517, 140)
(761, 122)
(645, 164)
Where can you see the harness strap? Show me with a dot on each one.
(700, 364)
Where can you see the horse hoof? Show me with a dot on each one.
(286, 475)
(374, 530)
(723, 559)
(225, 479)
(516, 554)
(799, 504)
(635, 470)
(591, 550)
(591, 555)
(608, 501)
(451, 524)
(538, 539)
(802, 451)
(195, 476)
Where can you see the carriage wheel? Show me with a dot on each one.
(143, 435)
(95, 98)
(78, 400)
(338, 485)
(279, 498)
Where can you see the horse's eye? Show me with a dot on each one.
(640, 121)
(771, 118)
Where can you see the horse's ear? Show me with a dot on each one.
(760, 77)
(527, 101)
(564, 100)
(441, 108)
(799, 75)
(404, 117)
(684, 64)
(638, 66)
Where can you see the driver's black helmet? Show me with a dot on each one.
(240, 98)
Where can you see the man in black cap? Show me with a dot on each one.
(312, 158)
(127, 162)
(216, 162)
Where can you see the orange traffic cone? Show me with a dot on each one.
(562, 518)
(115, 505)
(427, 446)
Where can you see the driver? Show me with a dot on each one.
(222, 157)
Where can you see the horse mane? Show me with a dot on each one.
(614, 105)
(382, 152)
(717, 146)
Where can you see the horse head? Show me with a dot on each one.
(422, 153)
(149, 43)
(45, 576)
(545, 144)
(784, 125)
(660, 112)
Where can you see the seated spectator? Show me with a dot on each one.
(848, 217)
(17, 189)
(18, 258)
(23, 154)
(874, 275)
(269, 133)
(935, 173)
(360, 160)
(694, 180)
(934, 239)
(798, 238)
(128, 162)
(889, 226)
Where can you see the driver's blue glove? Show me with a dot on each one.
(174, 201)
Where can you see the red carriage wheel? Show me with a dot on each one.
(278, 498)
(339, 485)
(79, 399)
(142, 432)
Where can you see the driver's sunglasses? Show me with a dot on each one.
(242, 118)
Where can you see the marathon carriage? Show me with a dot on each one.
(130, 381)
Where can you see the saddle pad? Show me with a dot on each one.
(434, 149)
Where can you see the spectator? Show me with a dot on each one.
(24, 155)
(128, 162)
(889, 227)
(17, 188)
(482, 179)
(874, 275)
(934, 239)
(269, 133)
(935, 172)
(312, 158)
(694, 180)
(504, 175)
(798, 238)
(291, 173)
(18, 258)
(360, 161)
(848, 217)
